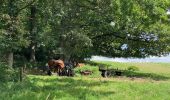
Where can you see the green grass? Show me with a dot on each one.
(151, 82)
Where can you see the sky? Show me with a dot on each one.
(150, 59)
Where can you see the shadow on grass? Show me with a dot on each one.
(63, 87)
(152, 76)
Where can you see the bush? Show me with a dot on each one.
(7, 73)
(4, 72)
(133, 68)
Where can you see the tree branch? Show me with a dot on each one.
(88, 7)
(118, 36)
(29, 4)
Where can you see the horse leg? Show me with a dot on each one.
(49, 72)
(56, 71)
(59, 71)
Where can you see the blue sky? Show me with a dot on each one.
(150, 59)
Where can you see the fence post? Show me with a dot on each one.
(21, 74)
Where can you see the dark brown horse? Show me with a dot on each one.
(56, 65)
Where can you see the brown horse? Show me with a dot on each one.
(56, 65)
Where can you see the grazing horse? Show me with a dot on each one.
(56, 65)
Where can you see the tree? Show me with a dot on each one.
(112, 28)
(12, 29)
(79, 29)
(131, 28)
(65, 35)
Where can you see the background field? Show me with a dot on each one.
(150, 82)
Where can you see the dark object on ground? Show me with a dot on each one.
(118, 72)
(67, 72)
(105, 72)
(49, 73)
(86, 72)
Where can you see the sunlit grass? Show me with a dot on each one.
(154, 84)
(160, 68)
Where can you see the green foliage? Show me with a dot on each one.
(141, 25)
(12, 29)
(80, 29)
(8, 74)
(4, 76)
(133, 68)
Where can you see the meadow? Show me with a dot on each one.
(150, 82)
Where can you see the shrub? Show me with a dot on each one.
(7, 73)
(4, 72)
(133, 68)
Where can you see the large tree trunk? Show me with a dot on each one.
(10, 54)
(33, 32)
(10, 59)
(32, 58)
(67, 58)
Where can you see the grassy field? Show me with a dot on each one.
(151, 82)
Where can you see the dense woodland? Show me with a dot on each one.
(34, 31)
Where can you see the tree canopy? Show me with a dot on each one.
(41, 29)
